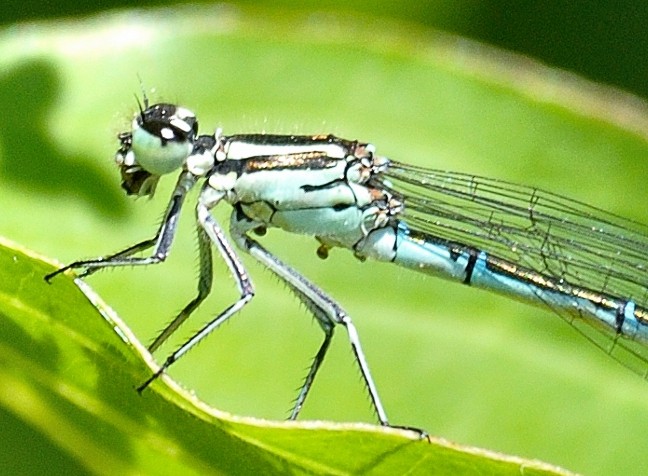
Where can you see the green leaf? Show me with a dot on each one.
(69, 371)
(464, 365)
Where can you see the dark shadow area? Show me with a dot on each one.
(29, 10)
(31, 159)
(18, 458)
(43, 351)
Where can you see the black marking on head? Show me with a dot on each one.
(161, 120)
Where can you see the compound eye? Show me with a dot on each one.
(162, 138)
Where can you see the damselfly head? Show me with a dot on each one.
(161, 140)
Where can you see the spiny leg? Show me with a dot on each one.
(335, 315)
(328, 328)
(162, 239)
(246, 290)
(95, 264)
(319, 358)
(312, 372)
(204, 288)
(325, 310)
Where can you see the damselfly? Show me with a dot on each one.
(587, 265)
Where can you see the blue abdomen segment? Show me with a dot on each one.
(434, 256)
(396, 244)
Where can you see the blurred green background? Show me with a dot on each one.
(475, 369)
(604, 41)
